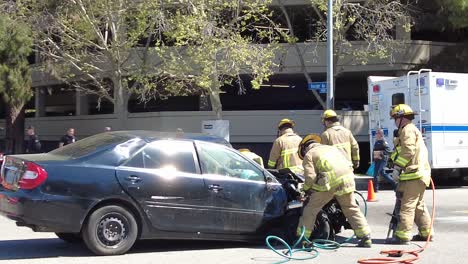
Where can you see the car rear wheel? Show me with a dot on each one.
(110, 230)
(70, 237)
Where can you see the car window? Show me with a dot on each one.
(216, 159)
(169, 154)
(90, 144)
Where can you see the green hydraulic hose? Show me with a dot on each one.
(316, 243)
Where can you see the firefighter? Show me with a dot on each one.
(251, 155)
(328, 174)
(337, 135)
(412, 169)
(283, 154)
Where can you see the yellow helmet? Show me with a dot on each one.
(311, 138)
(286, 121)
(401, 110)
(328, 114)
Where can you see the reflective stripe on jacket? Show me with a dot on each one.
(411, 155)
(326, 168)
(283, 154)
(340, 137)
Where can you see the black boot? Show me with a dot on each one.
(396, 241)
(422, 238)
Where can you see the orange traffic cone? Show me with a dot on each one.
(370, 192)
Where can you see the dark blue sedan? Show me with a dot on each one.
(112, 189)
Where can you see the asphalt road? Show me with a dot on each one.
(20, 245)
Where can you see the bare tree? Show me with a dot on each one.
(363, 30)
(153, 48)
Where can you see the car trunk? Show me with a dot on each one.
(20, 170)
(12, 171)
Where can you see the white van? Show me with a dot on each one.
(441, 101)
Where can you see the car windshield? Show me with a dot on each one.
(90, 144)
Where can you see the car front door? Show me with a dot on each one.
(239, 196)
(167, 183)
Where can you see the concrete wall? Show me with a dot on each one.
(245, 126)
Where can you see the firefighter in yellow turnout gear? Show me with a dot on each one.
(328, 174)
(340, 137)
(249, 154)
(283, 154)
(412, 169)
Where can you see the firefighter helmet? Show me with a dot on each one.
(401, 110)
(328, 114)
(306, 141)
(286, 121)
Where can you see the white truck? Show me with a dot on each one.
(441, 101)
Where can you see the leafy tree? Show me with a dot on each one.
(15, 77)
(363, 30)
(457, 11)
(153, 48)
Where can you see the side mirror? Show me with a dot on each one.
(269, 179)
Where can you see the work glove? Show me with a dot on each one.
(355, 164)
(396, 173)
(305, 191)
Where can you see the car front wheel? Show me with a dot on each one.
(110, 230)
(323, 228)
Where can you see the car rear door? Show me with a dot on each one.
(165, 181)
(240, 199)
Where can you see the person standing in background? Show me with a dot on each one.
(31, 144)
(68, 138)
(380, 154)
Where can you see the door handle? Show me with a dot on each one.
(215, 188)
(133, 178)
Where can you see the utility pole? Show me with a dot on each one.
(330, 84)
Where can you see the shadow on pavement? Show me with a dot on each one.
(53, 247)
(40, 248)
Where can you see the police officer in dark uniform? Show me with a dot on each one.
(68, 138)
(32, 143)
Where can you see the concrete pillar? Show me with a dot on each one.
(82, 107)
(39, 101)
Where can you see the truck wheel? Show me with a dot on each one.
(70, 237)
(110, 230)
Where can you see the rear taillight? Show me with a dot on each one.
(34, 176)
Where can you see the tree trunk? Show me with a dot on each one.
(216, 105)
(14, 130)
(215, 97)
(120, 104)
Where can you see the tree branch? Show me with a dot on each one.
(299, 55)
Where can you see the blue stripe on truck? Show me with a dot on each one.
(430, 128)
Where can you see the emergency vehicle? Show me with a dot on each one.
(440, 101)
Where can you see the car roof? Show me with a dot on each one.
(149, 136)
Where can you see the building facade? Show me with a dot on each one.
(253, 116)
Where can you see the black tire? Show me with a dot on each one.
(323, 228)
(70, 237)
(110, 230)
